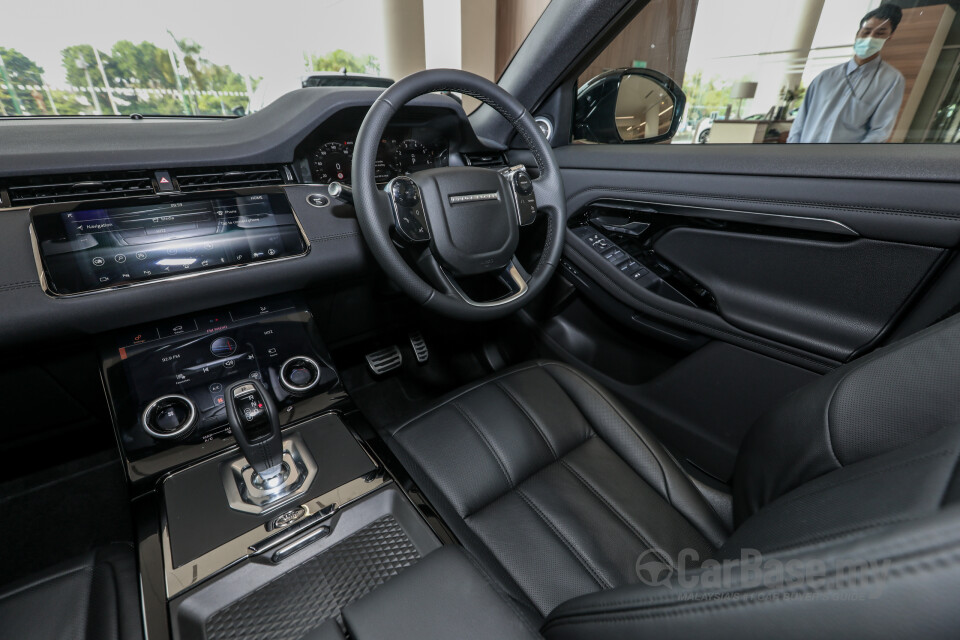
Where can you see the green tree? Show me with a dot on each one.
(342, 60)
(21, 70)
(206, 79)
(145, 80)
(705, 96)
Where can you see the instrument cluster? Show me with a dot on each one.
(398, 155)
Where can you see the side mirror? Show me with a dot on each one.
(628, 106)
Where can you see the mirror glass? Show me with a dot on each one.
(644, 109)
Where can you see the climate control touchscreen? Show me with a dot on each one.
(168, 380)
(89, 246)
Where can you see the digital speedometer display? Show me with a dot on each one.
(331, 160)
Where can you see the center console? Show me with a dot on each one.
(168, 381)
(257, 498)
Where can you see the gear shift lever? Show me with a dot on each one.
(256, 426)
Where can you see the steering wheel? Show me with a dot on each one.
(463, 221)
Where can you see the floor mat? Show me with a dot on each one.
(318, 589)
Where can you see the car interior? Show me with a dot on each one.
(369, 364)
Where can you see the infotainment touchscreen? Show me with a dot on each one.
(90, 246)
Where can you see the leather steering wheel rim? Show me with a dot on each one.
(373, 205)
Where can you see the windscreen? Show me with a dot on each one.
(187, 58)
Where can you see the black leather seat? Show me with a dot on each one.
(94, 596)
(559, 493)
(549, 480)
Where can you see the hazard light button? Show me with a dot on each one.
(164, 182)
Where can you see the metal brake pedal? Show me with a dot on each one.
(385, 360)
(419, 347)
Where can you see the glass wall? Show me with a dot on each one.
(802, 71)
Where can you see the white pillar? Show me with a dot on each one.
(404, 29)
(459, 34)
(442, 33)
(787, 70)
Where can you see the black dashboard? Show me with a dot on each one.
(105, 163)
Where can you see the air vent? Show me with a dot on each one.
(488, 159)
(227, 178)
(91, 186)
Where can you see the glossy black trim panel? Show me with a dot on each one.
(264, 334)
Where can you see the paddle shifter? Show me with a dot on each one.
(256, 426)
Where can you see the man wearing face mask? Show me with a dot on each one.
(857, 101)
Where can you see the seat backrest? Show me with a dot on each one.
(858, 469)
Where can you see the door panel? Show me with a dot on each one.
(925, 213)
(807, 256)
(826, 297)
(809, 269)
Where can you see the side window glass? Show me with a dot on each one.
(793, 71)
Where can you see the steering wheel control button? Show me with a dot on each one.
(407, 208)
(168, 417)
(299, 374)
(523, 198)
(223, 347)
(318, 200)
(523, 183)
(405, 192)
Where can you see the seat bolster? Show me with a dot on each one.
(900, 582)
(879, 403)
(640, 449)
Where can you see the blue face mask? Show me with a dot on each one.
(866, 47)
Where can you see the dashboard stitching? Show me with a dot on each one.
(8, 285)
(7, 289)
(338, 236)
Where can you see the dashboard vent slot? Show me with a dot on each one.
(486, 159)
(47, 189)
(227, 178)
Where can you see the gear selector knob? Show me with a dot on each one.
(255, 424)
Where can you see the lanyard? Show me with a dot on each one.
(853, 90)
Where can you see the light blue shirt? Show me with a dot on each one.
(850, 103)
